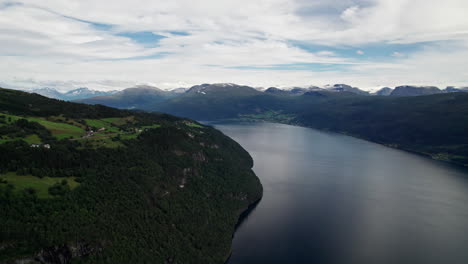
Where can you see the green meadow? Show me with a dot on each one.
(40, 185)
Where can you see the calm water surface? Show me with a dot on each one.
(330, 199)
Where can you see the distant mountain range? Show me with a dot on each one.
(145, 96)
(408, 90)
(139, 97)
(80, 93)
(425, 120)
(422, 119)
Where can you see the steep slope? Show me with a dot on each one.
(139, 97)
(433, 125)
(91, 184)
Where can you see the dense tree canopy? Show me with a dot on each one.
(171, 194)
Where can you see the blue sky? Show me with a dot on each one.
(117, 44)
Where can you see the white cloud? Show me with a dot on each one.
(49, 42)
(397, 54)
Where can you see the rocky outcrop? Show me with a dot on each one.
(62, 254)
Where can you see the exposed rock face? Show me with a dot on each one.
(62, 254)
(65, 253)
(408, 90)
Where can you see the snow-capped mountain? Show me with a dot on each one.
(47, 92)
(80, 93)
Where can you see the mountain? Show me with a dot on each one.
(385, 91)
(433, 125)
(48, 92)
(92, 184)
(224, 89)
(407, 90)
(216, 101)
(82, 93)
(138, 97)
(408, 119)
(75, 94)
(293, 90)
(301, 91)
(277, 91)
(179, 90)
(346, 88)
(451, 89)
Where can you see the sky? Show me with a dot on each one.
(108, 45)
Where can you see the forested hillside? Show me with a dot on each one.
(433, 125)
(92, 184)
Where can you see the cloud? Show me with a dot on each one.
(170, 43)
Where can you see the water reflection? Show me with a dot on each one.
(329, 198)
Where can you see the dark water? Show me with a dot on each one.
(330, 199)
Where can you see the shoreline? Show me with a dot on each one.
(243, 215)
(409, 150)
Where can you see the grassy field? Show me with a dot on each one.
(32, 139)
(194, 125)
(101, 123)
(152, 126)
(63, 128)
(41, 185)
(60, 130)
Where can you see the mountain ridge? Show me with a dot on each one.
(75, 94)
